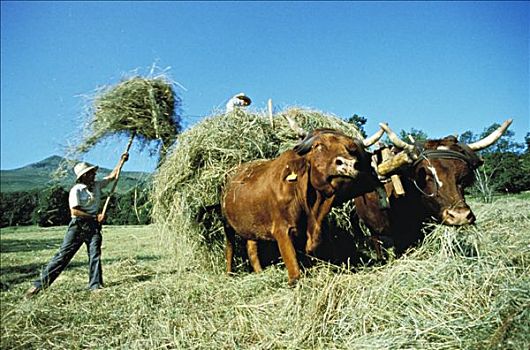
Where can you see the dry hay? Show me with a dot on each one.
(188, 185)
(148, 107)
(463, 288)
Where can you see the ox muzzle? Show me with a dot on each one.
(458, 216)
(311, 245)
(346, 167)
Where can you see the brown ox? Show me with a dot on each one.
(282, 198)
(434, 189)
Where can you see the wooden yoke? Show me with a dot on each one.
(389, 163)
(393, 163)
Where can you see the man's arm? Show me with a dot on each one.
(116, 171)
(82, 214)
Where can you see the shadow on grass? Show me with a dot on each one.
(27, 273)
(26, 245)
(13, 275)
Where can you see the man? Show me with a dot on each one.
(85, 227)
(238, 101)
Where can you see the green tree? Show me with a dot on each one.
(504, 162)
(17, 208)
(130, 208)
(52, 208)
(507, 171)
(417, 134)
(506, 142)
(505, 167)
(359, 122)
(467, 137)
(49, 207)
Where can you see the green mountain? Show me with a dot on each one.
(40, 175)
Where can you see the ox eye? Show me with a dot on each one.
(319, 147)
(466, 181)
(422, 177)
(352, 151)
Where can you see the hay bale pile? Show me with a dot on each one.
(188, 185)
(147, 106)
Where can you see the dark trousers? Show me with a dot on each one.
(79, 231)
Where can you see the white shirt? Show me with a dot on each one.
(234, 102)
(88, 201)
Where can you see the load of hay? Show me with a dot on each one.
(147, 107)
(188, 185)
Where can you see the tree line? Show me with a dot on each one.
(49, 207)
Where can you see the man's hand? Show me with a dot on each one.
(125, 157)
(100, 218)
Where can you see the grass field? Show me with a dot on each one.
(462, 289)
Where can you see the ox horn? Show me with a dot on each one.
(299, 131)
(395, 139)
(374, 138)
(491, 138)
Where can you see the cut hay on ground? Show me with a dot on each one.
(466, 288)
(189, 183)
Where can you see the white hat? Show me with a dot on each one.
(82, 168)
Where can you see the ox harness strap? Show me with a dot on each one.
(467, 155)
(470, 158)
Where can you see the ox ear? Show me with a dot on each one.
(294, 170)
(451, 138)
(363, 155)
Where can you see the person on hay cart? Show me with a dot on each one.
(85, 227)
(238, 101)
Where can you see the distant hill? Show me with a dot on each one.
(39, 175)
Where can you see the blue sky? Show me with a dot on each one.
(443, 67)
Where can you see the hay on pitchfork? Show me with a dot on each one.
(148, 107)
(188, 185)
